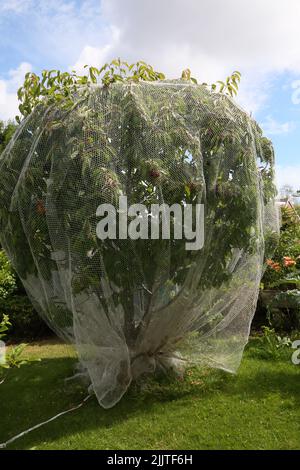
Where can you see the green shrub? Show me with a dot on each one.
(4, 326)
(6, 132)
(269, 345)
(7, 277)
(284, 310)
(14, 356)
(26, 323)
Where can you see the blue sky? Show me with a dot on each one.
(212, 37)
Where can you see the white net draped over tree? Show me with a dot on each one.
(133, 305)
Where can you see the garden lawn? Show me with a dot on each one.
(259, 408)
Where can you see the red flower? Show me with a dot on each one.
(273, 265)
(276, 267)
(288, 261)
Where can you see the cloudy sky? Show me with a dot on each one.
(211, 37)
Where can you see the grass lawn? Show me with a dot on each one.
(259, 408)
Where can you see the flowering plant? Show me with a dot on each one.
(284, 268)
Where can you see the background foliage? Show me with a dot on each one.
(280, 293)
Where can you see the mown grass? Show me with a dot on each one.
(259, 408)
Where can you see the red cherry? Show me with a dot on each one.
(40, 208)
(154, 173)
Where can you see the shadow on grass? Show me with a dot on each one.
(37, 391)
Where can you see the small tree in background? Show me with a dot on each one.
(6, 132)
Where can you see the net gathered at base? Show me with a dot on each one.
(131, 305)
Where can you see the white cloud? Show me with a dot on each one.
(211, 37)
(273, 127)
(8, 91)
(254, 92)
(16, 6)
(90, 56)
(252, 33)
(95, 56)
(289, 175)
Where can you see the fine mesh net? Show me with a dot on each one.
(129, 305)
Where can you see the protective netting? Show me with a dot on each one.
(132, 305)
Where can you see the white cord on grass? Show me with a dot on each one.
(5, 444)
